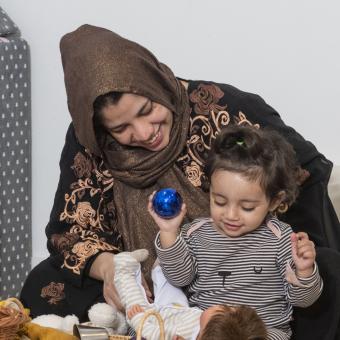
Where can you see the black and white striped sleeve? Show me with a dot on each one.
(301, 292)
(177, 262)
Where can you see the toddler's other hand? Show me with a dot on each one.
(303, 252)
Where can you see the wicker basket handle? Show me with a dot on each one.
(160, 324)
(14, 303)
(12, 318)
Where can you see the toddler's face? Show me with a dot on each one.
(237, 205)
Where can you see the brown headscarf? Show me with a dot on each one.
(97, 61)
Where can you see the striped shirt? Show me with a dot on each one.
(247, 270)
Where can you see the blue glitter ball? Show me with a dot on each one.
(167, 203)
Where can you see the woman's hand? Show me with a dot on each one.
(168, 227)
(103, 269)
(303, 252)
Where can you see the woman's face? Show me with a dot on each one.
(137, 121)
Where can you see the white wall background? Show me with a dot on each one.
(286, 51)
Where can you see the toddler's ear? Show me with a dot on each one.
(277, 200)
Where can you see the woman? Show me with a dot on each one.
(136, 128)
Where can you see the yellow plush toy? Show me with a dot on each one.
(37, 332)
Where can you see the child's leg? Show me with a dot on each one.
(127, 279)
(165, 293)
(131, 292)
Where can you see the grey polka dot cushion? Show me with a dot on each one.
(7, 26)
(15, 159)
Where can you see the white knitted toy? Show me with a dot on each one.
(100, 315)
(104, 315)
(64, 324)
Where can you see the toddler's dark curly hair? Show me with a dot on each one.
(258, 154)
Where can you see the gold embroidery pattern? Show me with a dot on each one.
(86, 217)
(82, 166)
(64, 241)
(81, 251)
(242, 120)
(203, 131)
(82, 212)
(205, 99)
(54, 292)
(302, 175)
(206, 122)
(194, 173)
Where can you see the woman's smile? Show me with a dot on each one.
(155, 141)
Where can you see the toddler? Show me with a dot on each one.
(242, 254)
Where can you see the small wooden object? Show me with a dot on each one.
(140, 328)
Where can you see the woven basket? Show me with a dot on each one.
(12, 319)
(140, 328)
(120, 337)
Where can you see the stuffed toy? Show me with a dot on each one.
(64, 324)
(36, 332)
(100, 315)
(54, 327)
(104, 315)
(15, 323)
